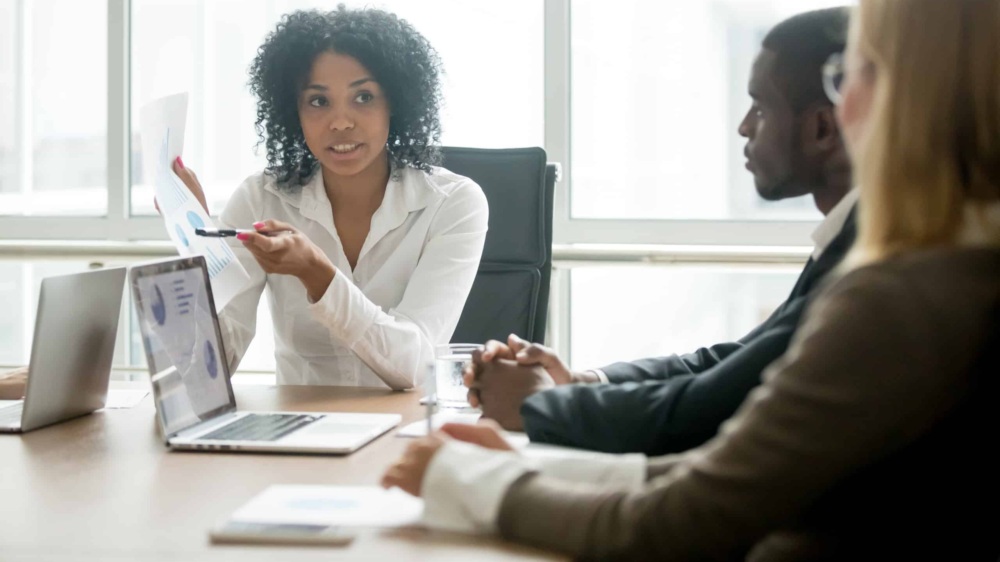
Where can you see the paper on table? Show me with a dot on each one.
(356, 506)
(517, 439)
(161, 124)
(419, 428)
(124, 398)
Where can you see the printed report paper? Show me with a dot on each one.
(161, 124)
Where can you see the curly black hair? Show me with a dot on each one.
(400, 59)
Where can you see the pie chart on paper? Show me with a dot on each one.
(194, 220)
(182, 237)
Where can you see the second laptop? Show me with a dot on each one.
(195, 404)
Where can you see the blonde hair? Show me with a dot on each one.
(933, 143)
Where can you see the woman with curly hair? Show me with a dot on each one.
(367, 249)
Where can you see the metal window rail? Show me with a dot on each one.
(565, 256)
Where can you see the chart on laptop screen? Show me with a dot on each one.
(187, 364)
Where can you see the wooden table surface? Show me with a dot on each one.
(104, 487)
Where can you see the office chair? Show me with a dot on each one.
(511, 290)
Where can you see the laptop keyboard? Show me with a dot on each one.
(260, 427)
(11, 415)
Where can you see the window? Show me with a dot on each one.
(493, 85)
(664, 309)
(53, 107)
(9, 183)
(639, 101)
(658, 91)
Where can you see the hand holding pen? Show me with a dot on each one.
(280, 248)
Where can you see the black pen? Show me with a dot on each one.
(228, 232)
(221, 232)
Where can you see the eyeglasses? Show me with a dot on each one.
(833, 77)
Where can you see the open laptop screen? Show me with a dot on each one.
(187, 364)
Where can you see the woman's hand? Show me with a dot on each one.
(189, 178)
(408, 472)
(487, 434)
(280, 248)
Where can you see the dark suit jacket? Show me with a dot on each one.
(669, 404)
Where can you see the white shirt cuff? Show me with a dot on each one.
(601, 376)
(464, 486)
(344, 310)
(621, 472)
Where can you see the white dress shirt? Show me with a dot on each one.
(376, 325)
(833, 223)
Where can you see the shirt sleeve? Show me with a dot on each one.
(602, 378)
(465, 485)
(238, 319)
(396, 344)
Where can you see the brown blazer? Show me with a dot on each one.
(873, 437)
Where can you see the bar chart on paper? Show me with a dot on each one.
(162, 130)
(172, 193)
(215, 263)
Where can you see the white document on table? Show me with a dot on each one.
(124, 398)
(161, 124)
(517, 439)
(355, 506)
(419, 428)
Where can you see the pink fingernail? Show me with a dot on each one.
(180, 162)
(242, 236)
(258, 225)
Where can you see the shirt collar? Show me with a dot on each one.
(833, 223)
(407, 191)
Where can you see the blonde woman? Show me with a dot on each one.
(874, 437)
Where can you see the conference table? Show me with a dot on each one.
(104, 487)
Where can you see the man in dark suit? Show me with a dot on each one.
(673, 403)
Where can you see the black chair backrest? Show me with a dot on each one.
(511, 290)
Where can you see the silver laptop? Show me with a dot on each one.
(195, 405)
(71, 352)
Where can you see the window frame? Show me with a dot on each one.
(120, 225)
(667, 232)
(570, 234)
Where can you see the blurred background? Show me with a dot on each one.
(638, 101)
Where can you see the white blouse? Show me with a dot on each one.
(464, 485)
(376, 325)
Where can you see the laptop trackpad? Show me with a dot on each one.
(342, 430)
